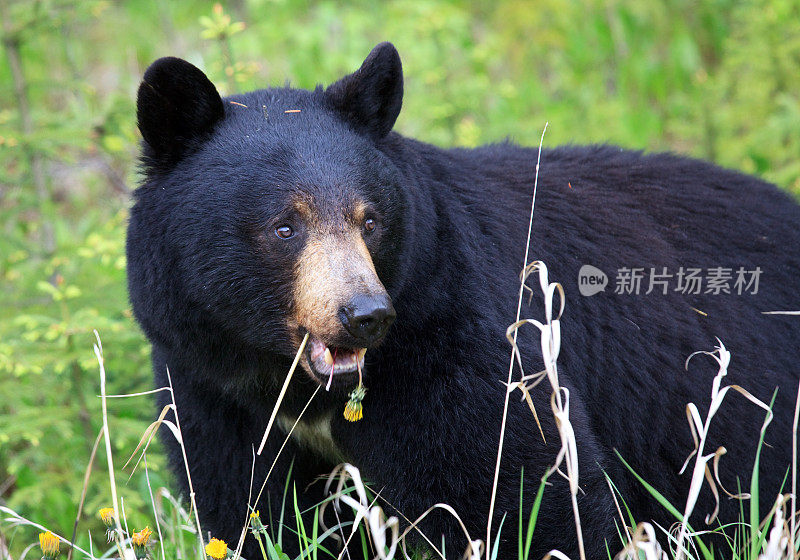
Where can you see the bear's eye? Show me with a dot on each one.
(369, 225)
(284, 231)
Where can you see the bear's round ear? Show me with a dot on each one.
(176, 105)
(370, 98)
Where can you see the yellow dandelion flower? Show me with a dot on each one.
(353, 411)
(142, 537)
(50, 544)
(140, 541)
(217, 549)
(256, 526)
(107, 515)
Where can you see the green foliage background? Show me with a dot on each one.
(716, 79)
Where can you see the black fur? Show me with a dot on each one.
(176, 106)
(370, 98)
(211, 291)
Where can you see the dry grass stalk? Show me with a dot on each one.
(550, 333)
(282, 393)
(384, 533)
(144, 443)
(98, 352)
(475, 547)
(699, 429)
(86, 476)
(642, 545)
(252, 506)
(780, 312)
(511, 362)
(155, 511)
(147, 437)
(628, 535)
(777, 546)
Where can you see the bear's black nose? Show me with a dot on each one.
(367, 318)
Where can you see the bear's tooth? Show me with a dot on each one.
(361, 353)
(328, 356)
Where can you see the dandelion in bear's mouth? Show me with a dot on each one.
(353, 410)
(140, 541)
(50, 545)
(217, 549)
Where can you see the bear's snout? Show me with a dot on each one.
(367, 317)
(338, 297)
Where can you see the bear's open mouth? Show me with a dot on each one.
(331, 364)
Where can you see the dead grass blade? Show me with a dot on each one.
(550, 342)
(383, 532)
(780, 312)
(777, 545)
(153, 505)
(252, 506)
(86, 476)
(699, 429)
(179, 437)
(98, 352)
(282, 393)
(148, 434)
(628, 535)
(511, 363)
(525, 385)
(475, 547)
(642, 545)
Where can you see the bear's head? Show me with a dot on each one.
(271, 214)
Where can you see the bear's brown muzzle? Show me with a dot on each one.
(336, 288)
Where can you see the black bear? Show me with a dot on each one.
(268, 216)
